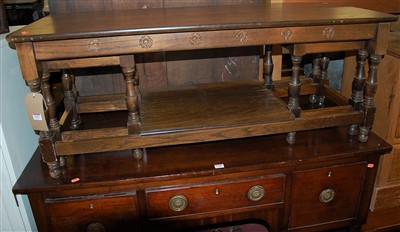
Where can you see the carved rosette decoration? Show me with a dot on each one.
(329, 32)
(95, 45)
(195, 39)
(242, 36)
(146, 41)
(287, 34)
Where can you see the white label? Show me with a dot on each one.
(35, 107)
(37, 117)
(219, 166)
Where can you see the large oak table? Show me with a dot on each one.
(203, 112)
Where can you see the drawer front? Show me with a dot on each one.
(326, 195)
(93, 213)
(215, 196)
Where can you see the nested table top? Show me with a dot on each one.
(171, 20)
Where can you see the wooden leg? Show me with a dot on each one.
(294, 93)
(70, 102)
(368, 105)
(316, 68)
(357, 87)
(294, 87)
(54, 124)
(268, 68)
(323, 80)
(316, 73)
(132, 98)
(51, 105)
(47, 138)
(71, 98)
(48, 152)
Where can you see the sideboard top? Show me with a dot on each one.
(172, 20)
(198, 160)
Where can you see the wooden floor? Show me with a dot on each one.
(383, 220)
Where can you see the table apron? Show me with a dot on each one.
(128, 44)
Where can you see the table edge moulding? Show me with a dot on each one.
(223, 111)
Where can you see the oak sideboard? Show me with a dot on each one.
(322, 182)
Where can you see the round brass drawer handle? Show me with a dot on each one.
(327, 195)
(178, 203)
(256, 193)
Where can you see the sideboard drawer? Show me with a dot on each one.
(215, 196)
(326, 195)
(93, 213)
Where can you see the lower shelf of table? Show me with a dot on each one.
(200, 113)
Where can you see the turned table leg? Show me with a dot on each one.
(319, 75)
(51, 104)
(323, 80)
(315, 75)
(316, 68)
(294, 87)
(294, 93)
(71, 98)
(54, 124)
(357, 87)
(132, 98)
(368, 105)
(70, 102)
(268, 68)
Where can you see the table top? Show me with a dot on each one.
(209, 18)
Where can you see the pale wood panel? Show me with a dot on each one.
(394, 174)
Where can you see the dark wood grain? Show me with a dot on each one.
(162, 69)
(116, 213)
(191, 146)
(307, 185)
(80, 142)
(202, 198)
(106, 178)
(92, 25)
(317, 145)
(209, 106)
